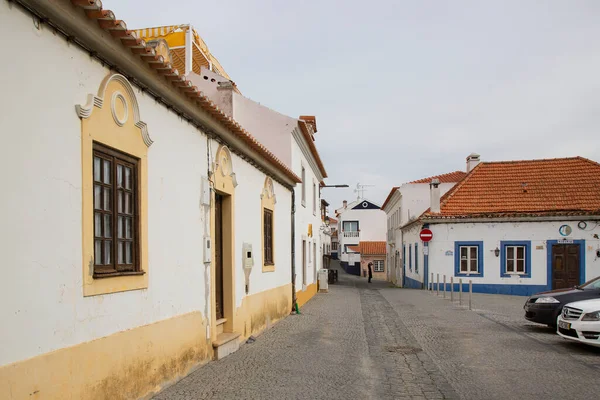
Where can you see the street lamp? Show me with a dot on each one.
(333, 186)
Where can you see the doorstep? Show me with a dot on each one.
(226, 344)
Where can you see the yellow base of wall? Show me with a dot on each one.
(304, 296)
(260, 310)
(126, 365)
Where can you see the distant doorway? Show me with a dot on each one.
(565, 265)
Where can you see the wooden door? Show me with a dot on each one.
(218, 254)
(565, 266)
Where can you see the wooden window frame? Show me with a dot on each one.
(117, 158)
(268, 237)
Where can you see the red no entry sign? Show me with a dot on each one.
(426, 235)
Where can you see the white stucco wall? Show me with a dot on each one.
(43, 304)
(268, 126)
(371, 223)
(416, 198)
(305, 216)
(415, 263)
(444, 236)
(413, 201)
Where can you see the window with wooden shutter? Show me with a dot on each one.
(268, 236)
(116, 243)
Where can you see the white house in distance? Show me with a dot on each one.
(404, 204)
(334, 226)
(514, 227)
(361, 220)
(145, 231)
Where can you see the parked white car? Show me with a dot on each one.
(580, 321)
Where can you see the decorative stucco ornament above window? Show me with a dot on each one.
(268, 192)
(224, 165)
(112, 118)
(123, 104)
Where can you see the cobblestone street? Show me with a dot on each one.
(365, 340)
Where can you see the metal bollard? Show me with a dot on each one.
(444, 286)
(438, 285)
(452, 288)
(432, 281)
(460, 292)
(470, 292)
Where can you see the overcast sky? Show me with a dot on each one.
(407, 89)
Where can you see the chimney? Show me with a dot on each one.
(472, 161)
(225, 97)
(434, 190)
(345, 204)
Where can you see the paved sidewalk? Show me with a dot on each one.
(491, 352)
(374, 341)
(346, 344)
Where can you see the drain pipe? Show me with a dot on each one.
(293, 215)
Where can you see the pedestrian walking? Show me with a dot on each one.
(370, 271)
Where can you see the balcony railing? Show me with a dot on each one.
(351, 234)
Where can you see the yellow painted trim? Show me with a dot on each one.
(224, 184)
(304, 296)
(99, 125)
(126, 365)
(267, 200)
(259, 311)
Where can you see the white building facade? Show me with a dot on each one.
(361, 220)
(147, 232)
(404, 204)
(536, 230)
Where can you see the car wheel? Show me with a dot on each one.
(553, 326)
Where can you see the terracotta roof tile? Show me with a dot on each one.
(355, 248)
(450, 177)
(118, 29)
(561, 186)
(372, 248)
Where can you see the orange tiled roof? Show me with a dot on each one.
(450, 177)
(372, 248)
(561, 186)
(355, 248)
(166, 71)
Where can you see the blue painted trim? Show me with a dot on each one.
(457, 246)
(370, 206)
(403, 263)
(410, 265)
(416, 257)
(334, 255)
(581, 244)
(351, 269)
(413, 283)
(426, 266)
(503, 245)
(514, 290)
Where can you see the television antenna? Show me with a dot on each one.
(360, 190)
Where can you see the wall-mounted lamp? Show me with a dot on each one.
(497, 252)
